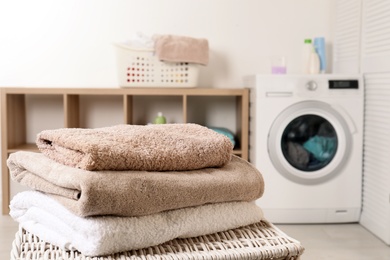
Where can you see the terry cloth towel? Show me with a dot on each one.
(165, 147)
(175, 48)
(162, 147)
(46, 218)
(135, 193)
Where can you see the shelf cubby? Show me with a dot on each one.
(27, 111)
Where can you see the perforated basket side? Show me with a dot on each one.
(140, 68)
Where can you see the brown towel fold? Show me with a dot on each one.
(135, 193)
(174, 48)
(167, 147)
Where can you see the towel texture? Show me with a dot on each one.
(167, 147)
(175, 48)
(93, 236)
(135, 193)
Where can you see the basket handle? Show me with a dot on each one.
(125, 46)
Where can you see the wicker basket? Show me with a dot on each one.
(257, 241)
(141, 68)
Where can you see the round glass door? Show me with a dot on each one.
(309, 142)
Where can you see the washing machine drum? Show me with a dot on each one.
(309, 142)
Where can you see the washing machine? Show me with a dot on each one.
(306, 139)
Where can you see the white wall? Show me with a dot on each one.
(68, 43)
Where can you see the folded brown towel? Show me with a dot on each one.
(175, 48)
(135, 193)
(165, 147)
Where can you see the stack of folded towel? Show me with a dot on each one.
(107, 190)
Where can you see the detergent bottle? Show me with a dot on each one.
(314, 62)
(307, 49)
(160, 119)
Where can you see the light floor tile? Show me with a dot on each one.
(337, 242)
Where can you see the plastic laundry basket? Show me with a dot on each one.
(141, 68)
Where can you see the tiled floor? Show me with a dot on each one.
(8, 228)
(336, 242)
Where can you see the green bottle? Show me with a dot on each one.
(160, 119)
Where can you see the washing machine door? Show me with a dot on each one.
(309, 142)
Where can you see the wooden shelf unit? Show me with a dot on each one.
(14, 126)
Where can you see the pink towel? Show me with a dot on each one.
(173, 48)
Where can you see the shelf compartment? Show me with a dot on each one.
(42, 112)
(14, 118)
(206, 110)
(31, 147)
(146, 108)
(209, 113)
(97, 111)
(88, 107)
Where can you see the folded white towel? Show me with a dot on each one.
(140, 40)
(46, 218)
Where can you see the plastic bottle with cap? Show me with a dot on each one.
(319, 45)
(314, 62)
(160, 119)
(307, 49)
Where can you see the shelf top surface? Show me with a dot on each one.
(125, 91)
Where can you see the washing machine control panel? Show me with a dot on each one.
(322, 87)
(311, 85)
(343, 84)
(308, 86)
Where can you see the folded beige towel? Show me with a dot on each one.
(135, 193)
(165, 147)
(174, 48)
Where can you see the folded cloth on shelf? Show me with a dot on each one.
(93, 236)
(175, 48)
(135, 193)
(165, 147)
